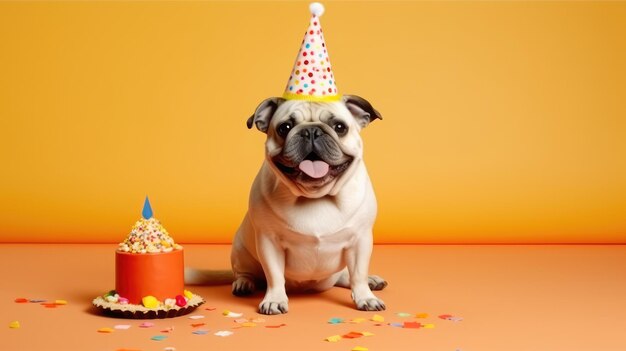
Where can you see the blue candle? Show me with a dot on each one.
(147, 209)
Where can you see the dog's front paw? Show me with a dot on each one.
(370, 304)
(273, 307)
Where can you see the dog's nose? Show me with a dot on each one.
(311, 133)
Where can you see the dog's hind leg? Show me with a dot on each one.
(247, 270)
(375, 282)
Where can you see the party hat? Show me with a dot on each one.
(312, 78)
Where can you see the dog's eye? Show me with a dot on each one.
(340, 128)
(284, 128)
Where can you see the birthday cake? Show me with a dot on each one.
(149, 275)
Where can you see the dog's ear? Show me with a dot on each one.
(263, 113)
(361, 109)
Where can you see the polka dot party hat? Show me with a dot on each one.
(312, 77)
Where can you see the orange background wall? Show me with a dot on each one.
(504, 121)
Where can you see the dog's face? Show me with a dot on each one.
(313, 147)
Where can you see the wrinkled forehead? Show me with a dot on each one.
(304, 111)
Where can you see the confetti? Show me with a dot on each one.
(146, 325)
(21, 300)
(210, 308)
(421, 315)
(122, 326)
(196, 317)
(357, 320)
(231, 314)
(196, 325)
(224, 333)
(158, 337)
(333, 338)
(378, 318)
(412, 325)
(450, 317)
(275, 326)
(200, 332)
(49, 305)
(403, 314)
(352, 335)
(105, 330)
(367, 334)
(335, 320)
(60, 302)
(37, 300)
(428, 326)
(397, 325)
(168, 330)
(248, 324)
(359, 348)
(14, 325)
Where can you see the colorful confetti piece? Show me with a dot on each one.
(200, 332)
(412, 325)
(335, 320)
(158, 337)
(276, 326)
(122, 326)
(403, 314)
(378, 318)
(352, 335)
(333, 338)
(21, 300)
(421, 315)
(14, 325)
(146, 325)
(105, 330)
(224, 333)
(196, 325)
(196, 317)
(231, 314)
(359, 348)
(357, 320)
(450, 317)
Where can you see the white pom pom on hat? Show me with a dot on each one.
(316, 9)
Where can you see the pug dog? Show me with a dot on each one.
(311, 206)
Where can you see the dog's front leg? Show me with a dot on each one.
(358, 260)
(272, 258)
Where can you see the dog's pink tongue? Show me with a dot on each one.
(314, 169)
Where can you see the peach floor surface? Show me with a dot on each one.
(509, 297)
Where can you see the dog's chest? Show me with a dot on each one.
(312, 257)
